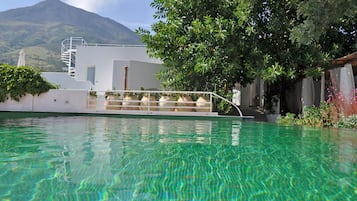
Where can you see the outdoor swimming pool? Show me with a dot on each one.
(111, 158)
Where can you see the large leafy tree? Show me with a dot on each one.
(204, 44)
(320, 18)
(211, 44)
(285, 60)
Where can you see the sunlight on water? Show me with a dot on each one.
(108, 158)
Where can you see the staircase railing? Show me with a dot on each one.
(68, 52)
(230, 102)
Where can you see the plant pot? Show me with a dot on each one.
(130, 102)
(203, 104)
(272, 117)
(112, 103)
(184, 101)
(92, 102)
(167, 103)
(145, 101)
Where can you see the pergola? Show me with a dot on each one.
(340, 62)
(350, 58)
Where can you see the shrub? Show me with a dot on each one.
(16, 82)
(311, 117)
(348, 122)
(329, 114)
(337, 111)
(224, 107)
(288, 119)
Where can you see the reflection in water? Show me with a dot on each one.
(236, 125)
(66, 165)
(105, 158)
(184, 131)
(345, 153)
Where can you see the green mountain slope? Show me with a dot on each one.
(41, 28)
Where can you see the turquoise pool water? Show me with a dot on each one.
(109, 158)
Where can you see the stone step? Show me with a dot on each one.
(257, 112)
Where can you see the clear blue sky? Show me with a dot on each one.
(130, 13)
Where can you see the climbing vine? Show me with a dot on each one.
(16, 82)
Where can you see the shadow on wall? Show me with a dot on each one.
(64, 81)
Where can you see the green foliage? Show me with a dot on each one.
(311, 117)
(223, 106)
(199, 42)
(315, 18)
(288, 119)
(94, 93)
(283, 58)
(204, 45)
(323, 116)
(129, 93)
(272, 73)
(349, 122)
(211, 44)
(16, 82)
(271, 100)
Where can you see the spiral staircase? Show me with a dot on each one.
(68, 53)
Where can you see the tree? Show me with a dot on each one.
(318, 17)
(204, 43)
(211, 44)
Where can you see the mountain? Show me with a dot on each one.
(41, 28)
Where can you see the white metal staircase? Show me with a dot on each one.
(68, 53)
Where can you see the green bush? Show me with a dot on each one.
(16, 82)
(311, 117)
(288, 119)
(222, 106)
(322, 116)
(348, 122)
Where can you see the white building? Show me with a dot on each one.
(63, 81)
(104, 66)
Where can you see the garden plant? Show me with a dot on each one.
(16, 82)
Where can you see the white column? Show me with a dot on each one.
(347, 83)
(307, 92)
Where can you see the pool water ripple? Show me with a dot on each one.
(108, 158)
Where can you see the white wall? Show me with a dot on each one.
(64, 81)
(139, 74)
(103, 58)
(24, 105)
(52, 101)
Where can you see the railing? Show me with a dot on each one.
(154, 101)
(230, 102)
(68, 52)
(113, 45)
(72, 43)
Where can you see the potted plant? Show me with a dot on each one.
(272, 107)
(92, 100)
(185, 103)
(130, 101)
(112, 100)
(148, 99)
(167, 102)
(203, 103)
